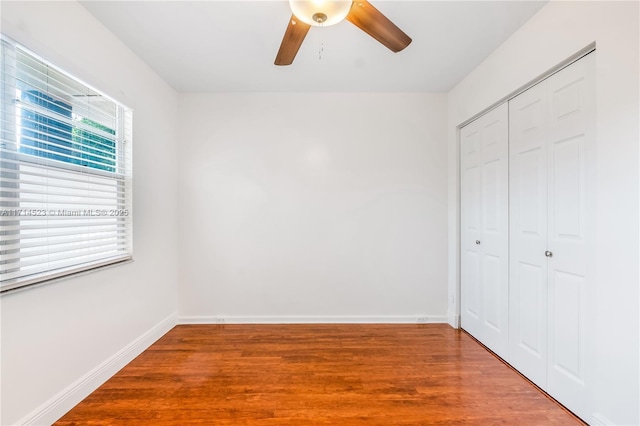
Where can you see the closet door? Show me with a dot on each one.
(484, 229)
(552, 208)
(528, 233)
(571, 219)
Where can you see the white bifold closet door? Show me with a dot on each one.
(552, 205)
(484, 229)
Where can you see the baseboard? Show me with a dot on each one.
(355, 319)
(453, 320)
(598, 419)
(60, 404)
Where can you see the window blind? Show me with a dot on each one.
(65, 173)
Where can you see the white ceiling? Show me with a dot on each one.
(230, 46)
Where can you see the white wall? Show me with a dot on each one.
(55, 335)
(313, 207)
(555, 33)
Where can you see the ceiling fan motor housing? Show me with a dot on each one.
(320, 12)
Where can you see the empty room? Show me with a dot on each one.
(296, 212)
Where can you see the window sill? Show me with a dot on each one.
(19, 285)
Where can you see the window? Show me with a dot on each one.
(65, 173)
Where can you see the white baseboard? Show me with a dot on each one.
(453, 320)
(68, 398)
(598, 419)
(355, 319)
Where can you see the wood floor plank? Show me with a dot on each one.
(316, 374)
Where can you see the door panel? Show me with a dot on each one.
(567, 331)
(530, 167)
(471, 199)
(528, 233)
(568, 188)
(471, 145)
(530, 334)
(470, 228)
(495, 231)
(492, 287)
(484, 229)
(491, 181)
(571, 159)
(471, 278)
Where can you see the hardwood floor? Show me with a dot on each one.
(321, 374)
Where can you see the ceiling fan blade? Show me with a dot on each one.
(370, 20)
(292, 40)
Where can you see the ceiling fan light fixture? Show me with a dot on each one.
(320, 12)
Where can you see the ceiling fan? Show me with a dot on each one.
(308, 13)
